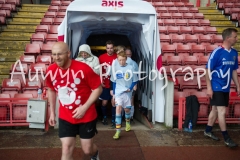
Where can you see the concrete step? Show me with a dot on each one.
(14, 34)
(29, 15)
(215, 17)
(19, 30)
(34, 5)
(20, 38)
(11, 53)
(222, 23)
(210, 11)
(24, 23)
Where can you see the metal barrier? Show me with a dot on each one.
(232, 111)
(13, 112)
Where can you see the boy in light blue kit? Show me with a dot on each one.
(123, 80)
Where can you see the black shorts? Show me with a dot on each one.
(220, 99)
(84, 130)
(105, 94)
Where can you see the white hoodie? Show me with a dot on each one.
(92, 61)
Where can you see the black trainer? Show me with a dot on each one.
(229, 142)
(113, 126)
(211, 135)
(104, 121)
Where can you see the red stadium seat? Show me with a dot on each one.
(165, 15)
(193, 10)
(189, 60)
(180, 22)
(20, 68)
(160, 22)
(198, 30)
(51, 38)
(174, 60)
(178, 4)
(53, 29)
(50, 15)
(27, 59)
(60, 14)
(217, 39)
(183, 50)
(193, 22)
(198, 50)
(168, 49)
(57, 21)
(46, 21)
(161, 10)
(3, 20)
(188, 4)
(172, 29)
(54, 8)
(56, 3)
(183, 10)
(44, 59)
(204, 39)
(37, 37)
(202, 60)
(66, 3)
(185, 30)
(168, 22)
(165, 38)
(198, 15)
(46, 49)
(210, 48)
(62, 9)
(189, 83)
(5, 13)
(204, 22)
(42, 28)
(210, 30)
(31, 85)
(163, 29)
(168, 4)
(158, 4)
(191, 38)
(37, 68)
(177, 15)
(32, 49)
(11, 86)
(187, 15)
(172, 9)
(177, 38)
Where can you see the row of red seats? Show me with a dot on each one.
(60, 3)
(185, 38)
(225, 1)
(176, 10)
(14, 86)
(172, 4)
(37, 49)
(229, 11)
(57, 8)
(10, 7)
(44, 37)
(228, 5)
(15, 2)
(235, 16)
(54, 14)
(184, 60)
(5, 13)
(179, 70)
(52, 29)
(180, 16)
(233, 111)
(186, 49)
(51, 21)
(167, 0)
(46, 59)
(183, 22)
(187, 30)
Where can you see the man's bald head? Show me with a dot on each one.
(60, 46)
(61, 54)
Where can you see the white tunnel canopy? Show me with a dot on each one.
(133, 18)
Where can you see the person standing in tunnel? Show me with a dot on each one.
(106, 60)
